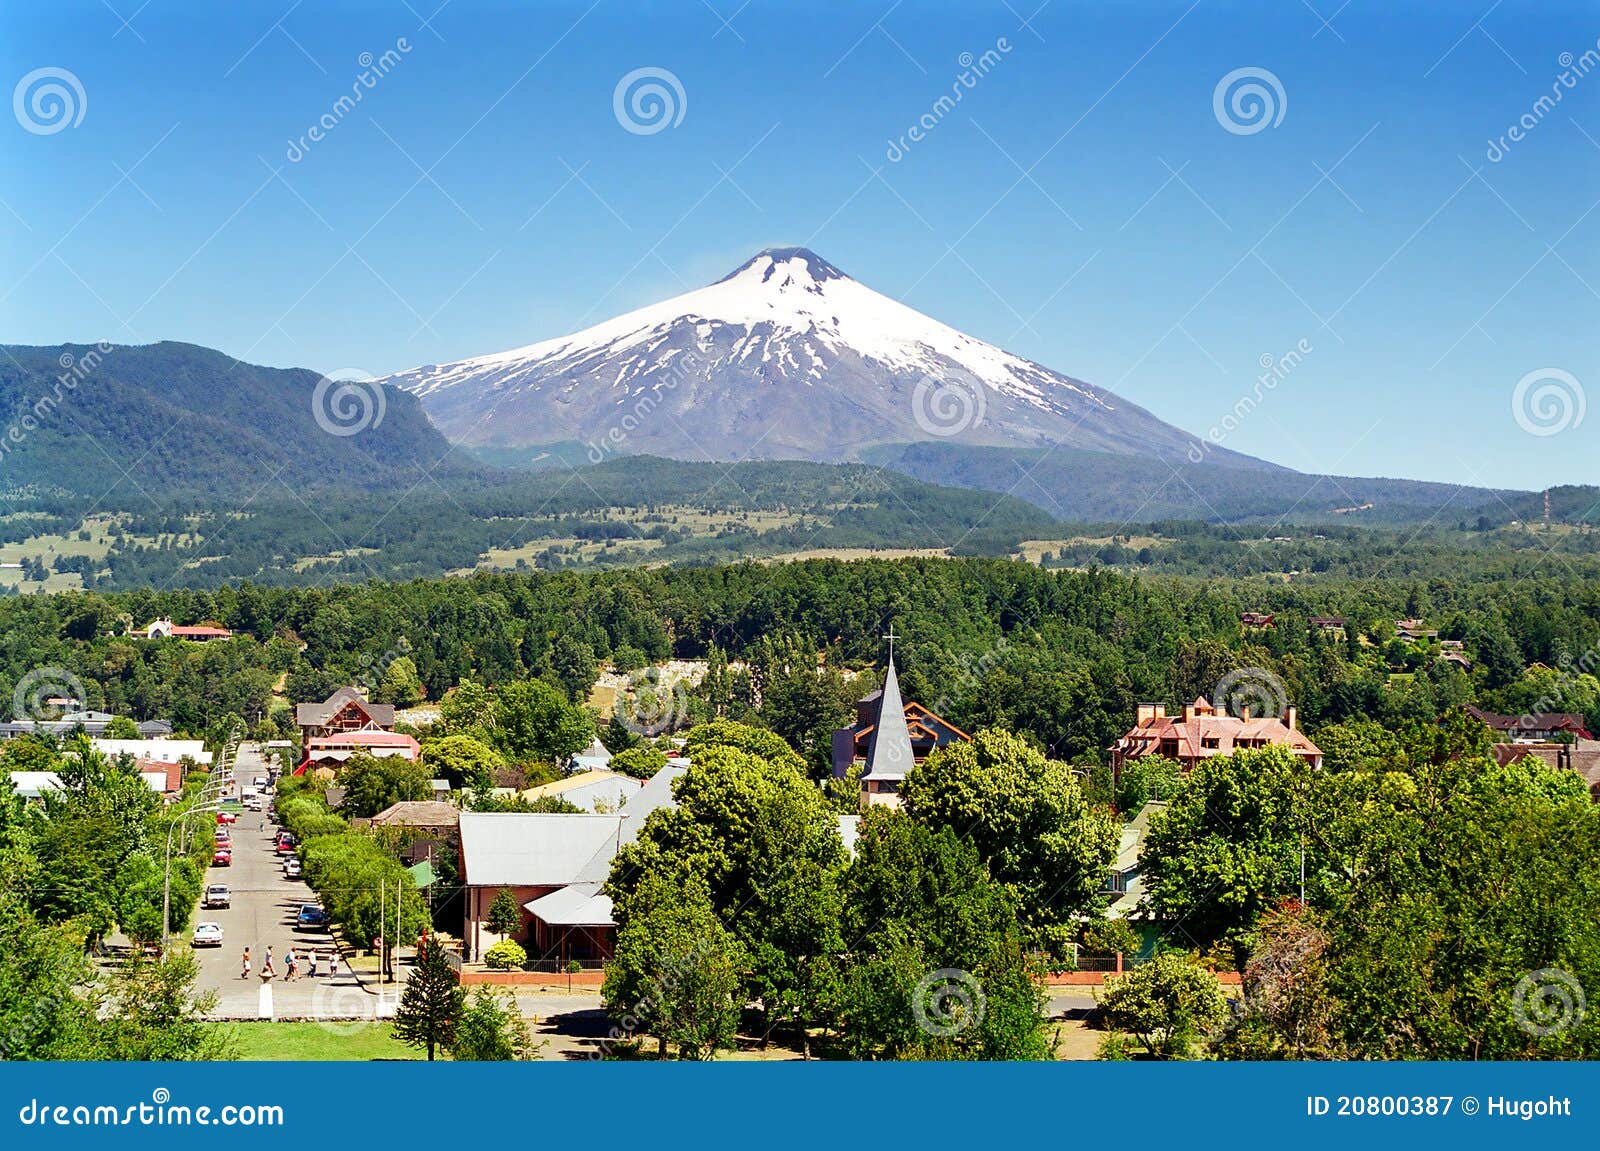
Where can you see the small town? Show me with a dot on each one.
(611, 867)
(1045, 555)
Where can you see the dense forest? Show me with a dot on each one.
(1058, 656)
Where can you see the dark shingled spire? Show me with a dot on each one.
(890, 756)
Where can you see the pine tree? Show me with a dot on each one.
(430, 1010)
(505, 918)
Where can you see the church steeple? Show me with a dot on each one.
(890, 756)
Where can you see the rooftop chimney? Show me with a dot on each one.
(1291, 715)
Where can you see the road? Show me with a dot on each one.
(263, 915)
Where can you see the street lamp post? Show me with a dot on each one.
(166, 883)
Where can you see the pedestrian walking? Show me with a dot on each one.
(333, 964)
(266, 964)
(289, 960)
(311, 964)
(245, 974)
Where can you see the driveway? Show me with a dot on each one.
(263, 915)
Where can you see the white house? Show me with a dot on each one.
(159, 750)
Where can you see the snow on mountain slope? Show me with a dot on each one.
(786, 357)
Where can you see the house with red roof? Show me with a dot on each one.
(328, 752)
(1203, 731)
(197, 633)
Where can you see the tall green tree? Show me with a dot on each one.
(429, 1015)
(1028, 819)
(936, 966)
(491, 1030)
(676, 970)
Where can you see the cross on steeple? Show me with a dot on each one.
(891, 637)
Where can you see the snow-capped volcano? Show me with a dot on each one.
(786, 357)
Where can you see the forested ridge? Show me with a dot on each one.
(1060, 656)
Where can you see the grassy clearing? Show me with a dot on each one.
(327, 1043)
(1033, 550)
(91, 539)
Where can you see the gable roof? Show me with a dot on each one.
(317, 714)
(581, 904)
(531, 849)
(418, 813)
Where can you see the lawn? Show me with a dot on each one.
(332, 1042)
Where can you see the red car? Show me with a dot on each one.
(226, 817)
(285, 843)
(222, 858)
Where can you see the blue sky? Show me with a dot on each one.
(1083, 205)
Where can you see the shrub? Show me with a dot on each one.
(507, 955)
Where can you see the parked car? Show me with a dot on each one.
(311, 918)
(217, 895)
(226, 817)
(291, 868)
(207, 935)
(285, 843)
(222, 858)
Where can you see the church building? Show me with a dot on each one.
(888, 739)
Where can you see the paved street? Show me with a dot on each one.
(263, 915)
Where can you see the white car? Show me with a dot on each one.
(207, 935)
(291, 868)
(217, 895)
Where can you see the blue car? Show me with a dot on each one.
(311, 918)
